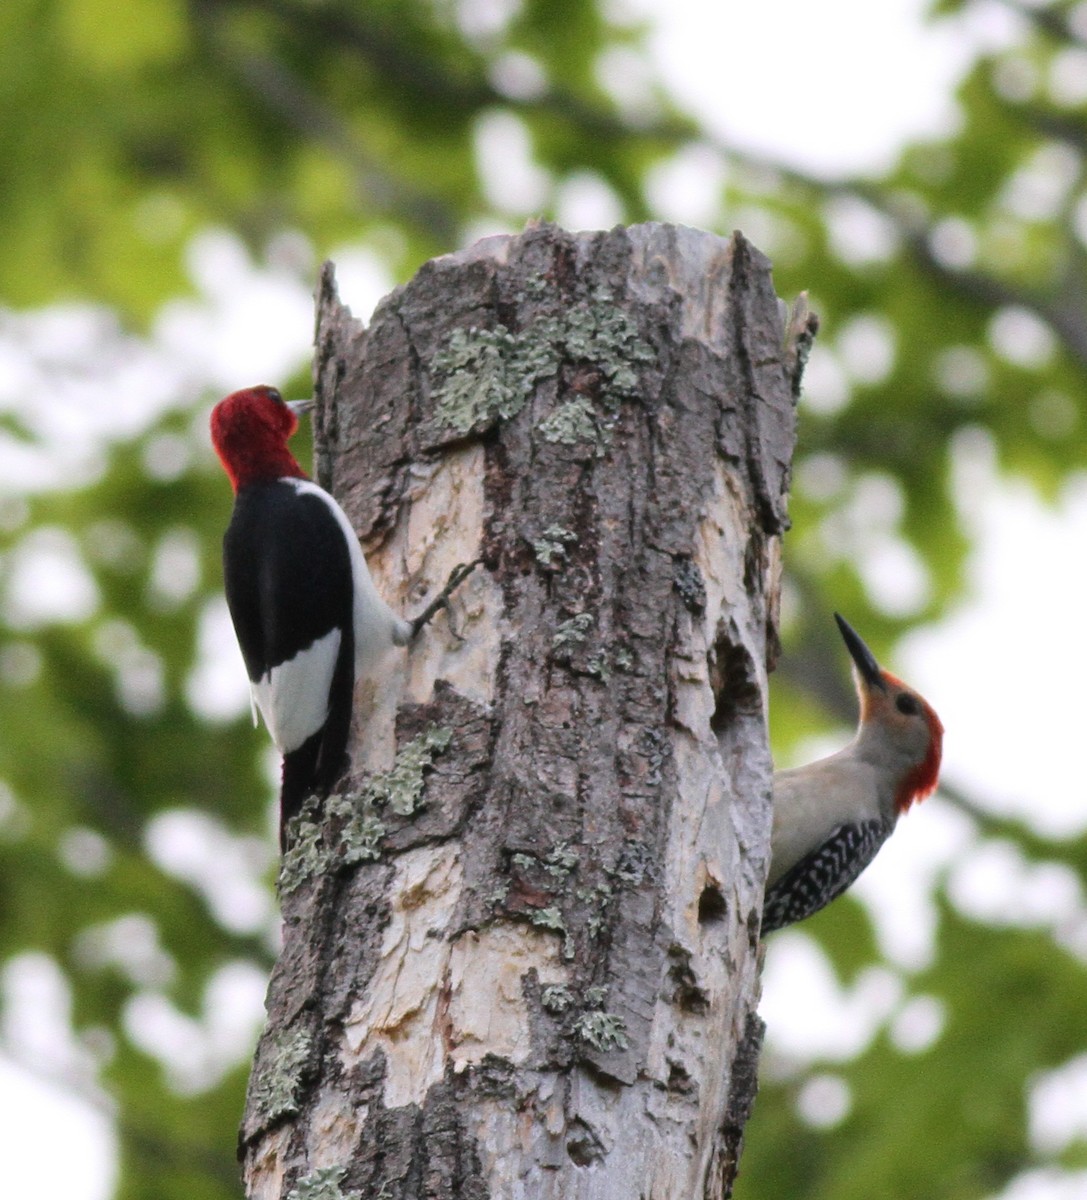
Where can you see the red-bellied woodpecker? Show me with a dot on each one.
(307, 616)
(832, 816)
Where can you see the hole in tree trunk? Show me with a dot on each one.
(734, 682)
(711, 905)
(583, 1146)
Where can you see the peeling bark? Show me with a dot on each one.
(520, 951)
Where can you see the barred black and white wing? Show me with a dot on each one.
(823, 874)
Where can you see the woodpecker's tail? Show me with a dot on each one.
(315, 767)
(299, 781)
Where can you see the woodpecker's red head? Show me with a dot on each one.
(250, 429)
(898, 726)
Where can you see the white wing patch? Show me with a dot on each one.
(376, 625)
(293, 697)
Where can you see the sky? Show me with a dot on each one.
(832, 88)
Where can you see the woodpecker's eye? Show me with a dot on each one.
(273, 394)
(908, 705)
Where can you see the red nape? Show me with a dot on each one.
(921, 780)
(249, 430)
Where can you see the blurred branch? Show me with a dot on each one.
(286, 95)
(1063, 314)
(1048, 20)
(395, 58)
(1068, 130)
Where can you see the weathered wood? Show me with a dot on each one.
(520, 958)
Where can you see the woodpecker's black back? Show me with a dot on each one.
(822, 876)
(288, 581)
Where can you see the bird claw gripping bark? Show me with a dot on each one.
(456, 577)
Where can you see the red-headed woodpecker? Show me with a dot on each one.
(832, 816)
(308, 618)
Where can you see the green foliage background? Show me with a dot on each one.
(123, 136)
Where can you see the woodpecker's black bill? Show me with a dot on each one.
(859, 652)
(300, 407)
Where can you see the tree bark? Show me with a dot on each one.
(521, 951)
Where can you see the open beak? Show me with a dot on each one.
(861, 655)
(300, 407)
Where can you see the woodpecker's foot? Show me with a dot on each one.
(458, 575)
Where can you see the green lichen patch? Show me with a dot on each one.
(572, 422)
(572, 632)
(596, 898)
(550, 546)
(322, 1184)
(557, 998)
(307, 856)
(622, 659)
(599, 336)
(537, 287)
(560, 860)
(400, 788)
(598, 332)
(360, 838)
(551, 918)
(604, 1031)
(484, 375)
(547, 918)
(599, 666)
(275, 1092)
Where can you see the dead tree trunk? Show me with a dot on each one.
(520, 952)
